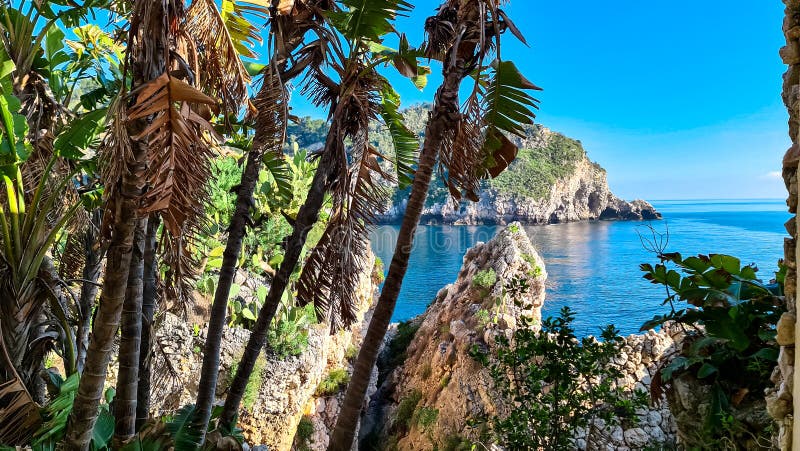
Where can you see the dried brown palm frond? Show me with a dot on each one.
(218, 45)
(181, 274)
(19, 414)
(73, 258)
(114, 156)
(499, 105)
(179, 150)
(332, 271)
(272, 104)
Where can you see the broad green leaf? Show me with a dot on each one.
(247, 314)
(706, 370)
(80, 135)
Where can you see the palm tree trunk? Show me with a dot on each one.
(146, 57)
(445, 114)
(130, 340)
(91, 274)
(149, 295)
(106, 322)
(306, 218)
(207, 388)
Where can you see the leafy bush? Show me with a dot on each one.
(556, 383)
(730, 329)
(406, 409)
(57, 412)
(288, 335)
(485, 278)
(333, 382)
(425, 417)
(398, 345)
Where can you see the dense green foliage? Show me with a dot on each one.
(536, 170)
(730, 331)
(556, 383)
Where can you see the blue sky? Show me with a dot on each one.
(677, 100)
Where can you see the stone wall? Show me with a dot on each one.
(779, 400)
(285, 386)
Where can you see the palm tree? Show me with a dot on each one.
(353, 101)
(125, 400)
(149, 295)
(158, 137)
(473, 146)
(290, 23)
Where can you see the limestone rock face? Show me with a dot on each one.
(582, 195)
(440, 380)
(285, 387)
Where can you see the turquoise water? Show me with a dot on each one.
(593, 267)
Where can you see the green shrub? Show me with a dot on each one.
(288, 335)
(457, 443)
(549, 397)
(305, 430)
(513, 228)
(730, 326)
(333, 382)
(351, 352)
(445, 381)
(406, 409)
(485, 279)
(483, 317)
(398, 345)
(425, 417)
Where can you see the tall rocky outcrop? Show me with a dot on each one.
(780, 400)
(427, 402)
(552, 181)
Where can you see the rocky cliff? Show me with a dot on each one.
(283, 396)
(551, 181)
(429, 400)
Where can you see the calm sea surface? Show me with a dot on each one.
(593, 267)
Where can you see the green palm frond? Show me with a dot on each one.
(406, 142)
(507, 105)
(368, 20)
(184, 434)
(507, 108)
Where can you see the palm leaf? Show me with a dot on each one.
(183, 432)
(179, 150)
(368, 19)
(19, 414)
(224, 38)
(507, 108)
(332, 271)
(281, 172)
(406, 142)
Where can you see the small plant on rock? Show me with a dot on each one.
(485, 279)
(333, 382)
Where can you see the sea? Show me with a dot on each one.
(593, 266)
